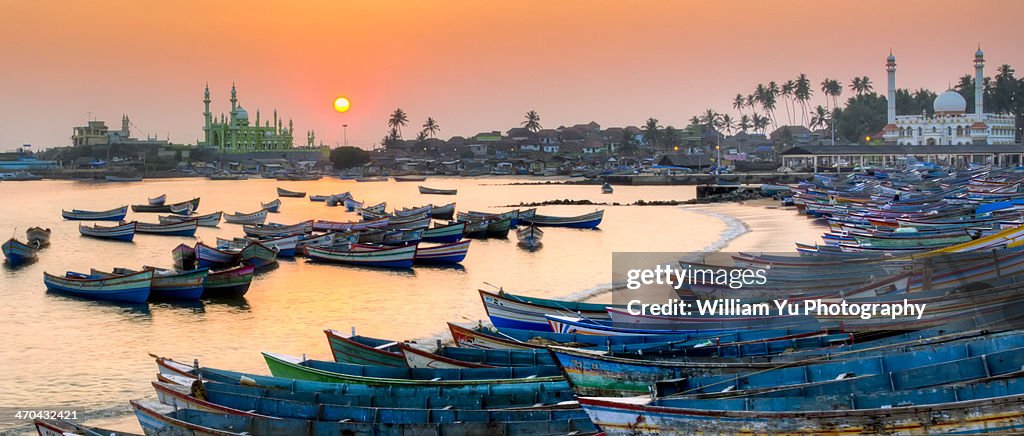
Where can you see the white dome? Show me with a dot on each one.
(241, 114)
(950, 101)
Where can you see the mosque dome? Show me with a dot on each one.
(979, 53)
(950, 102)
(891, 58)
(241, 114)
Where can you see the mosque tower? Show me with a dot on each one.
(890, 66)
(207, 116)
(979, 81)
(890, 133)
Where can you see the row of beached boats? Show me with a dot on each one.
(547, 366)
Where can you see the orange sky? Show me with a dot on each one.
(472, 65)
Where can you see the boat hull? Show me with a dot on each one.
(18, 253)
(133, 288)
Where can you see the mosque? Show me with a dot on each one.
(234, 133)
(951, 124)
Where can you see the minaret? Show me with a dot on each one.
(979, 82)
(275, 122)
(124, 126)
(207, 116)
(890, 66)
(234, 99)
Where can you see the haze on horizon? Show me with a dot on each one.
(473, 66)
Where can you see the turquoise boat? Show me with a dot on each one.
(164, 420)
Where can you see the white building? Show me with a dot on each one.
(951, 124)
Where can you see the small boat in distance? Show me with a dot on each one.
(18, 253)
(410, 179)
(38, 236)
(529, 236)
(158, 200)
(372, 179)
(272, 206)
(281, 192)
(247, 218)
(183, 228)
(124, 232)
(606, 188)
(85, 215)
(435, 191)
(208, 220)
(123, 179)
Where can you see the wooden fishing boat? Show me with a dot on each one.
(400, 237)
(132, 288)
(247, 218)
(351, 205)
(417, 222)
(123, 178)
(476, 228)
(397, 257)
(445, 234)
(284, 246)
(529, 236)
(38, 236)
(586, 221)
(232, 282)
(361, 350)
(273, 206)
(124, 232)
(184, 256)
(318, 198)
(433, 191)
(158, 419)
(528, 313)
(57, 427)
(208, 220)
(337, 199)
(281, 192)
(419, 358)
(183, 228)
(420, 211)
(158, 200)
(498, 228)
(166, 284)
(371, 179)
(410, 178)
(606, 188)
(355, 226)
(258, 255)
(18, 253)
(324, 240)
(182, 208)
(210, 257)
(107, 215)
(377, 208)
(226, 399)
(446, 253)
(443, 212)
(274, 230)
(281, 365)
(474, 216)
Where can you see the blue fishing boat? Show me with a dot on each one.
(511, 311)
(18, 253)
(166, 284)
(107, 215)
(445, 234)
(273, 206)
(210, 257)
(124, 232)
(132, 288)
(585, 221)
(362, 255)
(440, 254)
(182, 228)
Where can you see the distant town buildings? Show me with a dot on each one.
(96, 132)
(235, 134)
(951, 124)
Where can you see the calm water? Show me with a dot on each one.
(60, 353)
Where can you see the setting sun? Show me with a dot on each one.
(341, 104)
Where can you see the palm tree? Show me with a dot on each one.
(861, 85)
(739, 103)
(710, 119)
(820, 118)
(760, 123)
(398, 120)
(802, 92)
(695, 120)
(430, 127)
(832, 88)
(752, 102)
(787, 95)
(855, 86)
(651, 133)
(727, 123)
(532, 122)
(744, 124)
